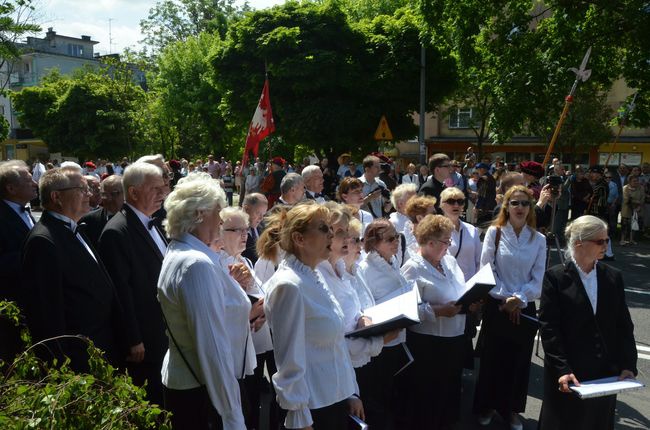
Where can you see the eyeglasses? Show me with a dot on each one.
(85, 189)
(324, 228)
(240, 230)
(523, 203)
(391, 239)
(459, 202)
(599, 242)
(444, 242)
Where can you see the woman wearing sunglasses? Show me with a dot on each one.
(516, 252)
(586, 330)
(315, 382)
(380, 273)
(438, 342)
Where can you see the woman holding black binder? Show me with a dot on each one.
(586, 330)
(438, 342)
(516, 252)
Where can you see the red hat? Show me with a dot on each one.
(174, 164)
(278, 160)
(532, 168)
(90, 165)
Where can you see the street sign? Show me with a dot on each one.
(383, 132)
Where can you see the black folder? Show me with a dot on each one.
(478, 287)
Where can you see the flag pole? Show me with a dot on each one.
(621, 125)
(582, 74)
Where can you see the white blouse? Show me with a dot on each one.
(590, 282)
(209, 321)
(361, 350)
(399, 221)
(262, 337)
(469, 257)
(437, 289)
(314, 366)
(366, 300)
(382, 279)
(519, 265)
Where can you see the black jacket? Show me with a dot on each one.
(13, 232)
(67, 291)
(432, 187)
(93, 223)
(251, 246)
(134, 261)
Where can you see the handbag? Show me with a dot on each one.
(634, 226)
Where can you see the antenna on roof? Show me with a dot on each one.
(110, 36)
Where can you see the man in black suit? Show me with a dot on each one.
(17, 188)
(65, 287)
(112, 200)
(440, 169)
(255, 205)
(133, 247)
(314, 181)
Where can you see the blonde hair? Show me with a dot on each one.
(451, 192)
(432, 227)
(192, 195)
(583, 228)
(228, 213)
(355, 227)
(338, 213)
(502, 218)
(401, 192)
(419, 205)
(297, 220)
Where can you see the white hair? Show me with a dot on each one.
(135, 174)
(71, 165)
(157, 159)
(10, 174)
(194, 194)
(230, 213)
(401, 191)
(289, 181)
(583, 228)
(309, 171)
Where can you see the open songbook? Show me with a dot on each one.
(397, 312)
(605, 387)
(477, 287)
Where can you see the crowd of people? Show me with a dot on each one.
(199, 299)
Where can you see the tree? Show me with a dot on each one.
(172, 21)
(93, 113)
(16, 20)
(187, 100)
(330, 80)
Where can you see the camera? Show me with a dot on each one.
(555, 183)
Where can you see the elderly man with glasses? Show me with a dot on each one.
(65, 289)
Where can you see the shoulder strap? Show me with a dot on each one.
(180, 351)
(460, 241)
(497, 239)
(402, 240)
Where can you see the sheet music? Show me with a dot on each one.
(405, 304)
(605, 387)
(483, 276)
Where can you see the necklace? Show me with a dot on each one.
(439, 268)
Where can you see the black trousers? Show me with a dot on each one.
(435, 380)
(149, 372)
(191, 409)
(332, 417)
(255, 384)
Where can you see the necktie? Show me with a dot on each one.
(151, 223)
(25, 209)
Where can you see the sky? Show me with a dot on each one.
(91, 17)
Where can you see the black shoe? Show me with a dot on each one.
(609, 258)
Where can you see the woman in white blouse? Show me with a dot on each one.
(315, 381)
(516, 252)
(207, 317)
(234, 231)
(380, 273)
(399, 198)
(333, 271)
(350, 192)
(438, 342)
(352, 259)
(416, 209)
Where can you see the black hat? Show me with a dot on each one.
(596, 169)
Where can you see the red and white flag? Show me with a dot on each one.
(261, 126)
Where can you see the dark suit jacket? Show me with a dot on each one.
(134, 261)
(432, 187)
(577, 341)
(251, 246)
(13, 232)
(587, 345)
(93, 223)
(66, 291)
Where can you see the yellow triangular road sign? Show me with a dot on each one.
(383, 132)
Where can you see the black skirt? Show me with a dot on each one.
(505, 358)
(435, 380)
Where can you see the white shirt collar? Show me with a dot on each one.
(142, 217)
(69, 222)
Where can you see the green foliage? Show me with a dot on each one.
(94, 113)
(34, 394)
(330, 80)
(16, 21)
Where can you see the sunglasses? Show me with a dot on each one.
(459, 202)
(523, 203)
(599, 242)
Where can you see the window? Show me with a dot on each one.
(461, 118)
(76, 50)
